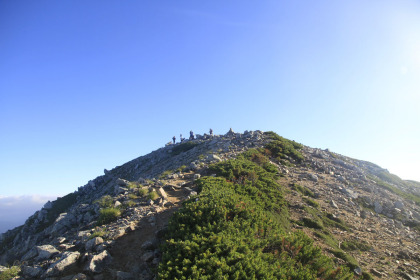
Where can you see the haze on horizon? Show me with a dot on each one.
(92, 85)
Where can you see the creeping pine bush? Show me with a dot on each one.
(10, 273)
(236, 228)
(281, 148)
(153, 195)
(108, 215)
(105, 201)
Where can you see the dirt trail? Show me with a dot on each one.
(127, 251)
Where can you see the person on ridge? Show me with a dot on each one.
(173, 138)
(211, 132)
(191, 135)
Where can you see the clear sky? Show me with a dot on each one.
(88, 85)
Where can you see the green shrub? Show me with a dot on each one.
(132, 196)
(143, 192)
(130, 203)
(108, 215)
(10, 273)
(153, 195)
(99, 233)
(181, 168)
(105, 201)
(351, 262)
(353, 245)
(282, 148)
(237, 229)
(311, 202)
(303, 190)
(132, 185)
(165, 174)
(313, 223)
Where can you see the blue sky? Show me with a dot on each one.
(88, 85)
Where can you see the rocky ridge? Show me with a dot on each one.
(65, 241)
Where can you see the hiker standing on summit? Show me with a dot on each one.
(191, 135)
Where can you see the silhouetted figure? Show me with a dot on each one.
(211, 132)
(191, 135)
(173, 138)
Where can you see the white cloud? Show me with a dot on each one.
(14, 210)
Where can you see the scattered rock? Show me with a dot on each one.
(358, 271)
(121, 275)
(32, 271)
(375, 272)
(333, 204)
(378, 207)
(98, 263)
(46, 252)
(67, 260)
(162, 193)
(122, 182)
(148, 256)
(91, 244)
(148, 245)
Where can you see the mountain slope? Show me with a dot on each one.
(363, 218)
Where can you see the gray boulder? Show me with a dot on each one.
(46, 252)
(121, 275)
(31, 271)
(333, 204)
(213, 157)
(122, 182)
(98, 263)
(399, 205)
(63, 222)
(312, 177)
(148, 256)
(378, 207)
(30, 254)
(162, 193)
(66, 262)
(91, 244)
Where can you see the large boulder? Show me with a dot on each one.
(378, 207)
(213, 157)
(122, 182)
(162, 193)
(31, 271)
(46, 252)
(30, 254)
(66, 262)
(98, 262)
(399, 205)
(64, 222)
(91, 244)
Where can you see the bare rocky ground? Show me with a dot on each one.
(350, 210)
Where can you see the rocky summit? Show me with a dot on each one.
(250, 205)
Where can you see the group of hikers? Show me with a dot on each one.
(192, 136)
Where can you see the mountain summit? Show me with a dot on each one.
(250, 205)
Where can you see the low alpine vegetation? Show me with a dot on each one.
(237, 228)
(108, 215)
